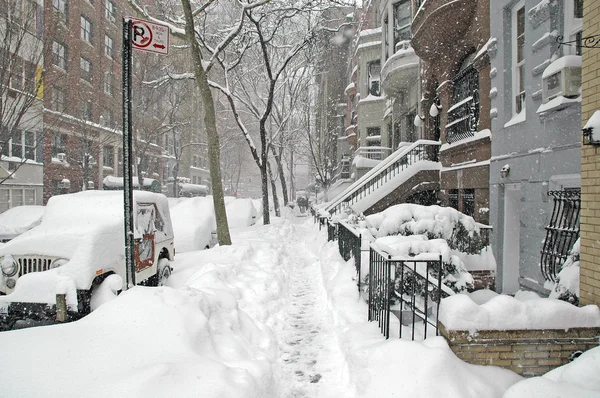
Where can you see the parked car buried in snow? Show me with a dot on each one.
(77, 247)
(19, 219)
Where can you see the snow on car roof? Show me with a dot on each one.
(19, 219)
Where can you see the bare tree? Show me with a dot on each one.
(21, 54)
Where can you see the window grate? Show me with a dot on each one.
(562, 231)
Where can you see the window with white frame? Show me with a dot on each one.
(108, 47)
(59, 144)
(402, 21)
(108, 83)
(573, 10)
(108, 156)
(86, 30)
(20, 145)
(4, 199)
(60, 9)
(58, 99)
(59, 55)
(518, 57)
(374, 76)
(86, 69)
(110, 11)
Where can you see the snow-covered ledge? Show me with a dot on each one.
(529, 337)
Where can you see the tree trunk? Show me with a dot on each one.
(265, 193)
(281, 172)
(211, 128)
(274, 193)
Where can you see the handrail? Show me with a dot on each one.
(401, 157)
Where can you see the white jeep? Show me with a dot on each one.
(78, 245)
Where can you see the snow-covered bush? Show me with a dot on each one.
(567, 280)
(457, 229)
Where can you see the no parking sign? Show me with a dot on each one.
(149, 36)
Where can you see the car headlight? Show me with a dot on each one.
(9, 266)
(58, 262)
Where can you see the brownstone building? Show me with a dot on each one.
(589, 286)
(451, 39)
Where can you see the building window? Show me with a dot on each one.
(86, 30)
(463, 115)
(374, 77)
(108, 156)
(86, 69)
(107, 118)
(453, 198)
(108, 83)
(58, 99)
(86, 110)
(59, 144)
(573, 10)
(402, 21)
(468, 202)
(60, 9)
(110, 11)
(16, 74)
(518, 44)
(108, 47)
(59, 55)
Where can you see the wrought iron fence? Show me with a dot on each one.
(562, 231)
(408, 288)
(332, 230)
(349, 244)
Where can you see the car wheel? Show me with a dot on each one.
(163, 271)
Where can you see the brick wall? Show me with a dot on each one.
(590, 164)
(526, 352)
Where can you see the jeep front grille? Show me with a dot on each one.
(34, 264)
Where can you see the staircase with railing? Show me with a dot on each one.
(387, 176)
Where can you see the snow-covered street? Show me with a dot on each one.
(276, 314)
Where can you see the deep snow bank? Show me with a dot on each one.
(381, 368)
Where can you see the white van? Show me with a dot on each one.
(77, 246)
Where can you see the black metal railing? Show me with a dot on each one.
(418, 152)
(562, 231)
(332, 230)
(408, 288)
(349, 244)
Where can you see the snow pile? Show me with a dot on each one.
(210, 333)
(193, 223)
(460, 312)
(17, 220)
(412, 219)
(418, 247)
(382, 368)
(593, 124)
(578, 379)
(241, 213)
(567, 281)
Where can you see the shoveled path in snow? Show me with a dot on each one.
(312, 364)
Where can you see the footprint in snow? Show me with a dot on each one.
(315, 378)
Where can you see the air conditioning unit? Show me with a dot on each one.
(62, 157)
(562, 78)
(65, 184)
(90, 185)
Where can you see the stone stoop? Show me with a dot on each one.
(526, 352)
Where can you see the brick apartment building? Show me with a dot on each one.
(589, 285)
(455, 97)
(82, 101)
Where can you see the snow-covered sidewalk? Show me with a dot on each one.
(276, 314)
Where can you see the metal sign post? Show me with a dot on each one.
(151, 37)
(128, 155)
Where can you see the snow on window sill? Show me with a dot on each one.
(557, 104)
(516, 119)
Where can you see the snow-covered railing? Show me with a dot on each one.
(409, 285)
(373, 152)
(383, 172)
